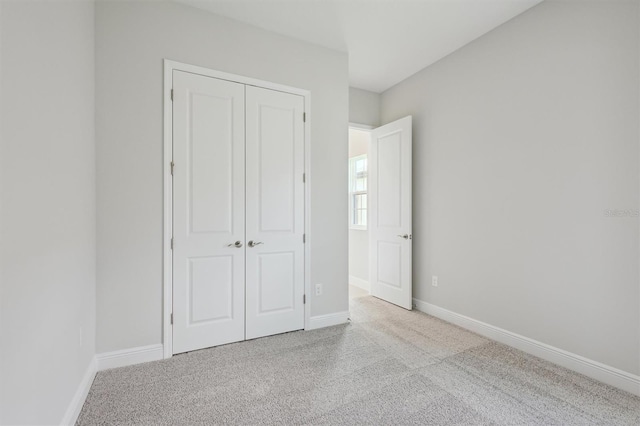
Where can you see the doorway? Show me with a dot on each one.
(380, 212)
(359, 141)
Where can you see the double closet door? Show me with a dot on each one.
(238, 212)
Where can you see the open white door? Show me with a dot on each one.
(390, 235)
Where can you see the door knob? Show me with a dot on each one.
(405, 236)
(254, 243)
(237, 244)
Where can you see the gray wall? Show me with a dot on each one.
(132, 38)
(522, 140)
(364, 108)
(47, 188)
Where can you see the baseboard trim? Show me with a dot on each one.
(73, 411)
(321, 321)
(594, 369)
(130, 356)
(360, 283)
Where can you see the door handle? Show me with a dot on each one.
(237, 244)
(405, 236)
(254, 243)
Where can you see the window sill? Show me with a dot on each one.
(358, 227)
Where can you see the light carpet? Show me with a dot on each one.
(388, 366)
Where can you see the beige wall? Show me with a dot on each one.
(132, 38)
(522, 140)
(47, 226)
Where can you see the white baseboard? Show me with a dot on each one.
(130, 356)
(102, 362)
(321, 321)
(359, 282)
(594, 369)
(73, 411)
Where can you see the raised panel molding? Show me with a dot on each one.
(276, 165)
(211, 156)
(213, 302)
(276, 269)
(390, 270)
(390, 180)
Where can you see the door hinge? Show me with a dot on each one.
(304, 238)
(304, 177)
(304, 299)
(172, 166)
(171, 318)
(171, 95)
(171, 243)
(304, 117)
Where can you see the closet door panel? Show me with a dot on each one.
(274, 212)
(209, 210)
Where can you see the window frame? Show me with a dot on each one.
(353, 193)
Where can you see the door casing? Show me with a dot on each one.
(167, 273)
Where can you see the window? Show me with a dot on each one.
(358, 192)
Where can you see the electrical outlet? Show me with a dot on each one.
(318, 289)
(434, 281)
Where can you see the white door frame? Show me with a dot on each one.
(167, 257)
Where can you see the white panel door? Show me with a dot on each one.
(390, 246)
(275, 212)
(208, 216)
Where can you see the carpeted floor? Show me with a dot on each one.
(388, 366)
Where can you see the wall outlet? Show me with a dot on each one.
(318, 289)
(434, 281)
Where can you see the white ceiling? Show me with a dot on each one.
(387, 40)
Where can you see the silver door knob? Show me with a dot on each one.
(254, 243)
(405, 236)
(237, 244)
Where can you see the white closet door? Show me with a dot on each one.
(274, 213)
(208, 216)
(390, 239)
